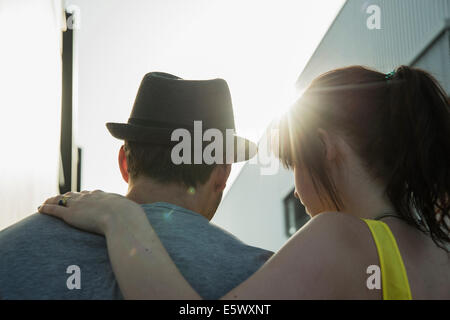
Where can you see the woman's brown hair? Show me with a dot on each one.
(399, 126)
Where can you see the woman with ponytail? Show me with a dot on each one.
(371, 159)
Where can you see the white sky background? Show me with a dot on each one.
(259, 47)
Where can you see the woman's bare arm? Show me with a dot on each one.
(138, 258)
(144, 270)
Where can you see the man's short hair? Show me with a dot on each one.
(155, 162)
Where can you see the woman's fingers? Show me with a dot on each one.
(53, 203)
(53, 200)
(53, 210)
(86, 210)
(89, 210)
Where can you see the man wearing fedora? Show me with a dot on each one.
(43, 258)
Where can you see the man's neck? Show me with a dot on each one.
(147, 191)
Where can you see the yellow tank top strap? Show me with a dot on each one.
(394, 280)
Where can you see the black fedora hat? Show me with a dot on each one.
(165, 102)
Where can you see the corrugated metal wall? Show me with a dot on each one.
(407, 27)
(436, 60)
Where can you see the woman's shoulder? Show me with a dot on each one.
(345, 240)
(337, 225)
(326, 259)
(335, 250)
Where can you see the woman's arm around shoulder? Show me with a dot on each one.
(318, 262)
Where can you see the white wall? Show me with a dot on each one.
(30, 104)
(253, 208)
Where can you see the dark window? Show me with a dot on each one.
(294, 214)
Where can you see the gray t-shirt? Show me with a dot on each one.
(40, 257)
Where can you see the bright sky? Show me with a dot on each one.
(30, 103)
(260, 47)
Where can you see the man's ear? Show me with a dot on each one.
(123, 164)
(329, 144)
(221, 172)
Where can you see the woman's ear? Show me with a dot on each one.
(329, 144)
(123, 164)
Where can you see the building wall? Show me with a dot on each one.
(407, 28)
(253, 207)
(436, 59)
(30, 104)
(413, 32)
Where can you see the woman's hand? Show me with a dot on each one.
(133, 246)
(90, 211)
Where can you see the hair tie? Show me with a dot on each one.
(390, 75)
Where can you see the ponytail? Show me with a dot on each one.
(418, 126)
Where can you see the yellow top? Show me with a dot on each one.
(394, 279)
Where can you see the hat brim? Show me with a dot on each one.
(161, 136)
